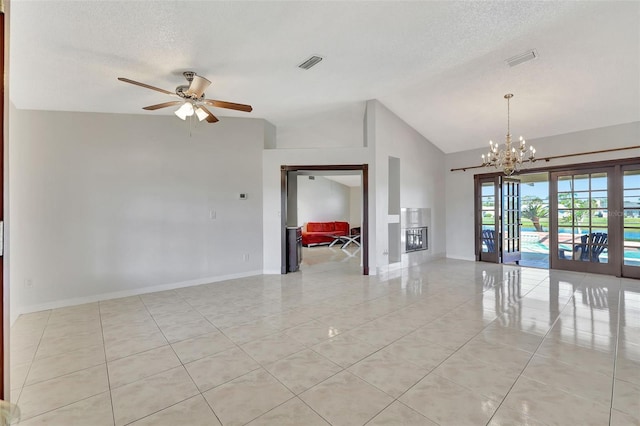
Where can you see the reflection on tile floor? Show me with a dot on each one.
(449, 342)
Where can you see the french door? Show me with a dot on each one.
(594, 220)
(498, 219)
(487, 219)
(583, 222)
(511, 220)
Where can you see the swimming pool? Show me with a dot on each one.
(531, 244)
(628, 235)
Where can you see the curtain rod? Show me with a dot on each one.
(547, 159)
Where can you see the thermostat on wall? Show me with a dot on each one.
(243, 196)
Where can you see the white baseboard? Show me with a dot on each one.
(272, 272)
(126, 293)
(470, 258)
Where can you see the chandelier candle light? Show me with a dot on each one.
(510, 158)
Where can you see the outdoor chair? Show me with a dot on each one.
(488, 237)
(590, 248)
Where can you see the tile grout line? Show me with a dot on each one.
(73, 372)
(33, 358)
(199, 392)
(137, 353)
(615, 352)
(106, 364)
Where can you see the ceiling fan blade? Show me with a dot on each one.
(146, 86)
(210, 118)
(198, 86)
(163, 105)
(228, 105)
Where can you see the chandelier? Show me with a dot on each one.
(510, 158)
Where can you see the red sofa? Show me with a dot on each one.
(323, 232)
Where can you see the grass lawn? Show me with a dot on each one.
(596, 222)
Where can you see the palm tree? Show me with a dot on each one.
(533, 209)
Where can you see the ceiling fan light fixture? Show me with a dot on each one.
(186, 110)
(201, 113)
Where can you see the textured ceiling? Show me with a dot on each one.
(438, 65)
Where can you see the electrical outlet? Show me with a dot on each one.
(212, 214)
(245, 257)
(28, 283)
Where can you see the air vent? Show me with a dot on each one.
(523, 57)
(310, 62)
(312, 178)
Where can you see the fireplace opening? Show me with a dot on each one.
(416, 239)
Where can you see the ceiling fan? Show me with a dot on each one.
(192, 98)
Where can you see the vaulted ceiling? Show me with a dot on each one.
(439, 65)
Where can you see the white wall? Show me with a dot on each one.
(337, 127)
(322, 200)
(108, 204)
(422, 172)
(459, 184)
(355, 206)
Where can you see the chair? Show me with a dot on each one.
(590, 248)
(488, 237)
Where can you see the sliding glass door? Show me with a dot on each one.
(581, 227)
(594, 219)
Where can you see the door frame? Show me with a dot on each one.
(612, 267)
(4, 283)
(364, 228)
(627, 270)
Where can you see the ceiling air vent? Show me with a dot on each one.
(523, 57)
(310, 62)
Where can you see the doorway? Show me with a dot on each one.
(498, 219)
(593, 222)
(534, 188)
(289, 179)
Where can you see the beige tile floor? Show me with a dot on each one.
(449, 343)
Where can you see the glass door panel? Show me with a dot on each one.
(631, 222)
(487, 234)
(511, 220)
(488, 216)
